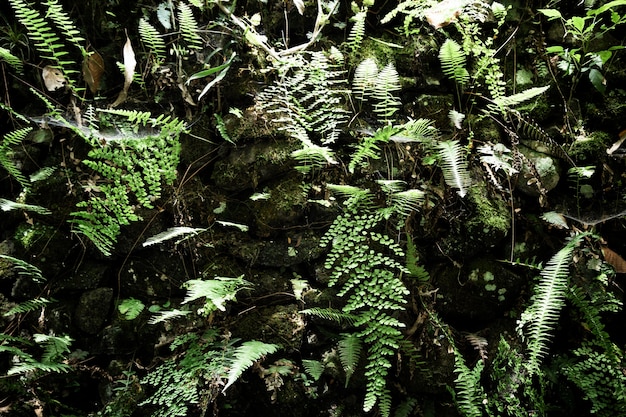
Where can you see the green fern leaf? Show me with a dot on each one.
(28, 306)
(171, 233)
(454, 166)
(11, 59)
(386, 84)
(541, 316)
(189, 28)
(25, 268)
(10, 139)
(355, 37)
(217, 292)
(364, 79)
(350, 348)
(245, 356)
(453, 62)
(8, 205)
(313, 368)
(515, 99)
(331, 314)
(152, 39)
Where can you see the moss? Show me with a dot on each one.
(29, 235)
(491, 215)
(589, 147)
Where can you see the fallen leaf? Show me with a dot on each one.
(53, 78)
(444, 13)
(129, 71)
(612, 258)
(93, 68)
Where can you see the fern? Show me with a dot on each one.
(12, 60)
(307, 104)
(28, 306)
(46, 41)
(364, 79)
(350, 348)
(8, 205)
(153, 40)
(357, 33)
(189, 26)
(216, 291)
(171, 233)
(508, 102)
(6, 156)
(453, 62)
(314, 368)
(387, 83)
(368, 148)
(454, 166)
(245, 356)
(363, 265)
(468, 394)
(331, 314)
(55, 350)
(539, 319)
(24, 268)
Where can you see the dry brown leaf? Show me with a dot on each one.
(612, 258)
(93, 68)
(129, 71)
(53, 78)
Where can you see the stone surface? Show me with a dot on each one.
(92, 310)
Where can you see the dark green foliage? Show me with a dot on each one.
(133, 169)
(363, 265)
(28, 306)
(193, 379)
(7, 160)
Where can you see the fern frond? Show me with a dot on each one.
(515, 99)
(349, 348)
(28, 306)
(245, 356)
(406, 202)
(12, 138)
(62, 21)
(152, 39)
(12, 60)
(386, 84)
(331, 314)
(217, 291)
(368, 147)
(189, 28)
(364, 79)
(469, 393)
(24, 268)
(162, 316)
(314, 368)
(171, 233)
(55, 347)
(8, 205)
(357, 33)
(453, 62)
(541, 316)
(454, 166)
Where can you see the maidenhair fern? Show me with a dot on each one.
(133, 168)
(363, 265)
(454, 166)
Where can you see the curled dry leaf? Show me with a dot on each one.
(93, 68)
(53, 78)
(129, 71)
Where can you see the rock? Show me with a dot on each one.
(547, 166)
(93, 310)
